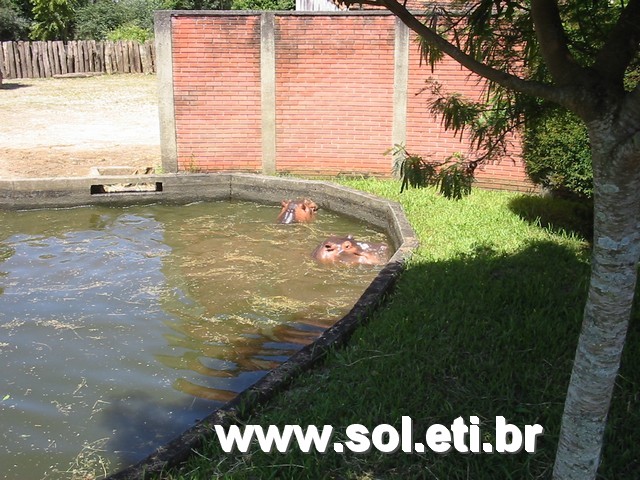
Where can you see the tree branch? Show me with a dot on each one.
(504, 79)
(622, 44)
(553, 42)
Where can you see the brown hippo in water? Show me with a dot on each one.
(297, 211)
(351, 251)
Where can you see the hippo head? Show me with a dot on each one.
(330, 250)
(297, 211)
(350, 251)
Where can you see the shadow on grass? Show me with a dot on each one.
(570, 216)
(12, 86)
(504, 332)
(485, 334)
(498, 332)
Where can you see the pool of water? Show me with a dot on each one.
(121, 327)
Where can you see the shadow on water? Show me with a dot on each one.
(140, 423)
(570, 216)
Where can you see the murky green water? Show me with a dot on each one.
(120, 327)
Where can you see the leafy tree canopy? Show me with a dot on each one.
(13, 23)
(52, 19)
(121, 20)
(104, 19)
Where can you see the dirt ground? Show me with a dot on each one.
(63, 127)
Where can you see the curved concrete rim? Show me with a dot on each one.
(183, 188)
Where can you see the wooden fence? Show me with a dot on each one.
(47, 59)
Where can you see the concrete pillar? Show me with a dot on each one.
(400, 85)
(268, 85)
(166, 106)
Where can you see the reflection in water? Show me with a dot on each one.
(104, 310)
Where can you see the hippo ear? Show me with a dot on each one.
(285, 203)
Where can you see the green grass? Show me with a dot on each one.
(484, 321)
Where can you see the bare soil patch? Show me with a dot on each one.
(64, 126)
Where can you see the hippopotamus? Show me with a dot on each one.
(297, 211)
(351, 251)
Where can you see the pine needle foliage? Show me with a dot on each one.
(452, 177)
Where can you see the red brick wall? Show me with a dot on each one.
(334, 93)
(216, 72)
(334, 96)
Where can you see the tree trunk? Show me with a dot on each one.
(616, 250)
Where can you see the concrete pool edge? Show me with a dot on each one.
(66, 192)
(183, 188)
